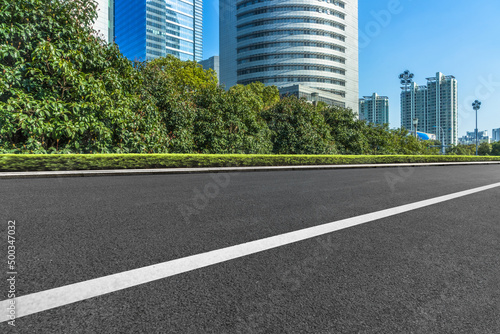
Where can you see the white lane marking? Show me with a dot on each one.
(49, 299)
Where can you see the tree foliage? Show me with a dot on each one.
(201, 117)
(170, 84)
(258, 95)
(495, 148)
(228, 122)
(354, 136)
(461, 150)
(64, 89)
(484, 149)
(186, 76)
(298, 128)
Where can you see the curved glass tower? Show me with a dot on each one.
(312, 43)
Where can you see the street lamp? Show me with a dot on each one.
(406, 78)
(415, 124)
(441, 137)
(476, 106)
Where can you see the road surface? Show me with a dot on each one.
(430, 269)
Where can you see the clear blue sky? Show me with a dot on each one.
(455, 37)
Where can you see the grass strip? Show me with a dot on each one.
(63, 162)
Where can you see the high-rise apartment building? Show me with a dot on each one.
(434, 105)
(290, 43)
(413, 105)
(148, 29)
(104, 24)
(495, 135)
(374, 109)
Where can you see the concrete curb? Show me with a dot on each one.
(162, 171)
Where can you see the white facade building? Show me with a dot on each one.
(374, 109)
(414, 105)
(292, 42)
(104, 23)
(470, 137)
(310, 94)
(435, 106)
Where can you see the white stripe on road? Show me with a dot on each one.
(49, 299)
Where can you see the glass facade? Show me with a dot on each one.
(148, 29)
(495, 134)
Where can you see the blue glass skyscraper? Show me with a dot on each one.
(148, 29)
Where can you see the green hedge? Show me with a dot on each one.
(54, 162)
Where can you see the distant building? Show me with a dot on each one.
(470, 137)
(495, 135)
(435, 106)
(104, 25)
(150, 29)
(311, 94)
(292, 42)
(374, 109)
(212, 63)
(414, 106)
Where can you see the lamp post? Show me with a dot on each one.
(406, 78)
(415, 124)
(476, 106)
(441, 137)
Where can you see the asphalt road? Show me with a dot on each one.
(431, 270)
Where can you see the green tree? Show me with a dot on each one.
(171, 85)
(258, 95)
(484, 149)
(405, 142)
(298, 128)
(346, 129)
(495, 148)
(198, 115)
(229, 122)
(64, 89)
(461, 150)
(354, 136)
(187, 76)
